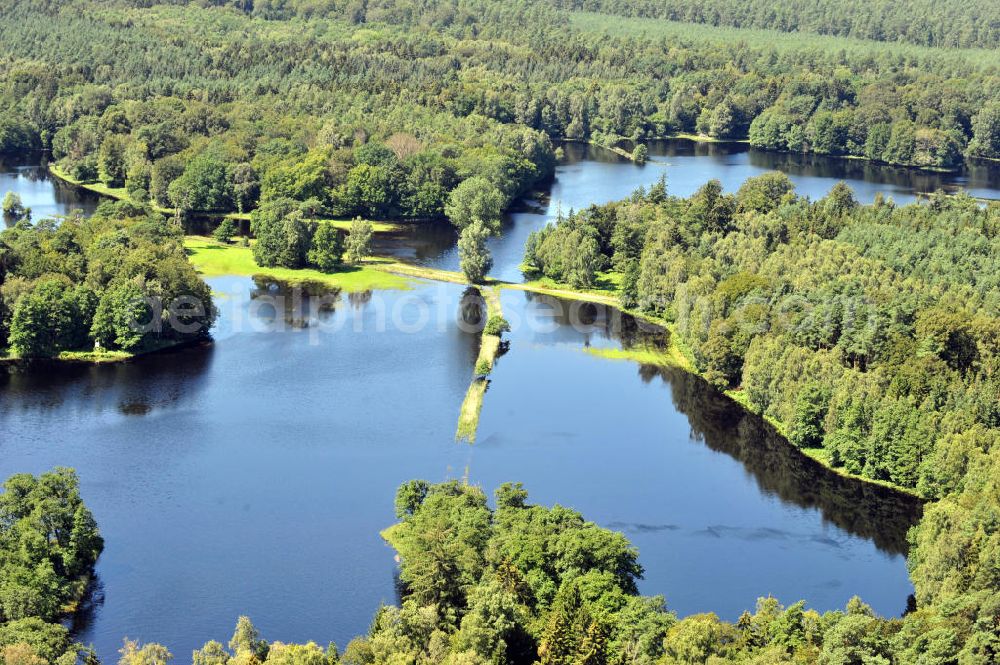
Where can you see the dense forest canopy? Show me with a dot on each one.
(926, 22)
(382, 109)
(49, 543)
(869, 334)
(118, 280)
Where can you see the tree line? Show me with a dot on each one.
(382, 109)
(870, 333)
(924, 22)
(49, 543)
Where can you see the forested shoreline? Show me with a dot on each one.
(118, 281)
(382, 110)
(518, 583)
(49, 544)
(869, 334)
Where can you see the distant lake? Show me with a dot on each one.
(590, 174)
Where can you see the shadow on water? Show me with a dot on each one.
(871, 511)
(28, 176)
(89, 610)
(299, 305)
(135, 387)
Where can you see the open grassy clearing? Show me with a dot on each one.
(213, 259)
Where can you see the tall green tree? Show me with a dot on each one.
(475, 199)
(326, 252)
(359, 240)
(474, 255)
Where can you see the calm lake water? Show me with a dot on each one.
(46, 196)
(252, 476)
(590, 175)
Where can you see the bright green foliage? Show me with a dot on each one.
(359, 241)
(16, 136)
(496, 325)
(246, 640)
(283, 235)
(123, 316)
(111, 165)
(225, 231)
(522, 584)
(568, 251)
(13, 207)
(50, 318)
(811, 405)
(247, 648)
(475, 199)
(119, 279)
(296, 178)
(640, 154)
(327, 248)
(213, 653)
(409, 496)
(763, 193)
(483, 367)
(870, 331)
(474, 256)
(47, 641)
(48, 542)
(204, 185)
(147, 654)
(514, 584)
(369, 190)
(986, 132)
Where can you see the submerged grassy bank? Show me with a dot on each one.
(489, 349)
(96, 356)
(677, 354)
(93, 357)
(378, 226)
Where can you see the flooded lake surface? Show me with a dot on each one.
(252, 476)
